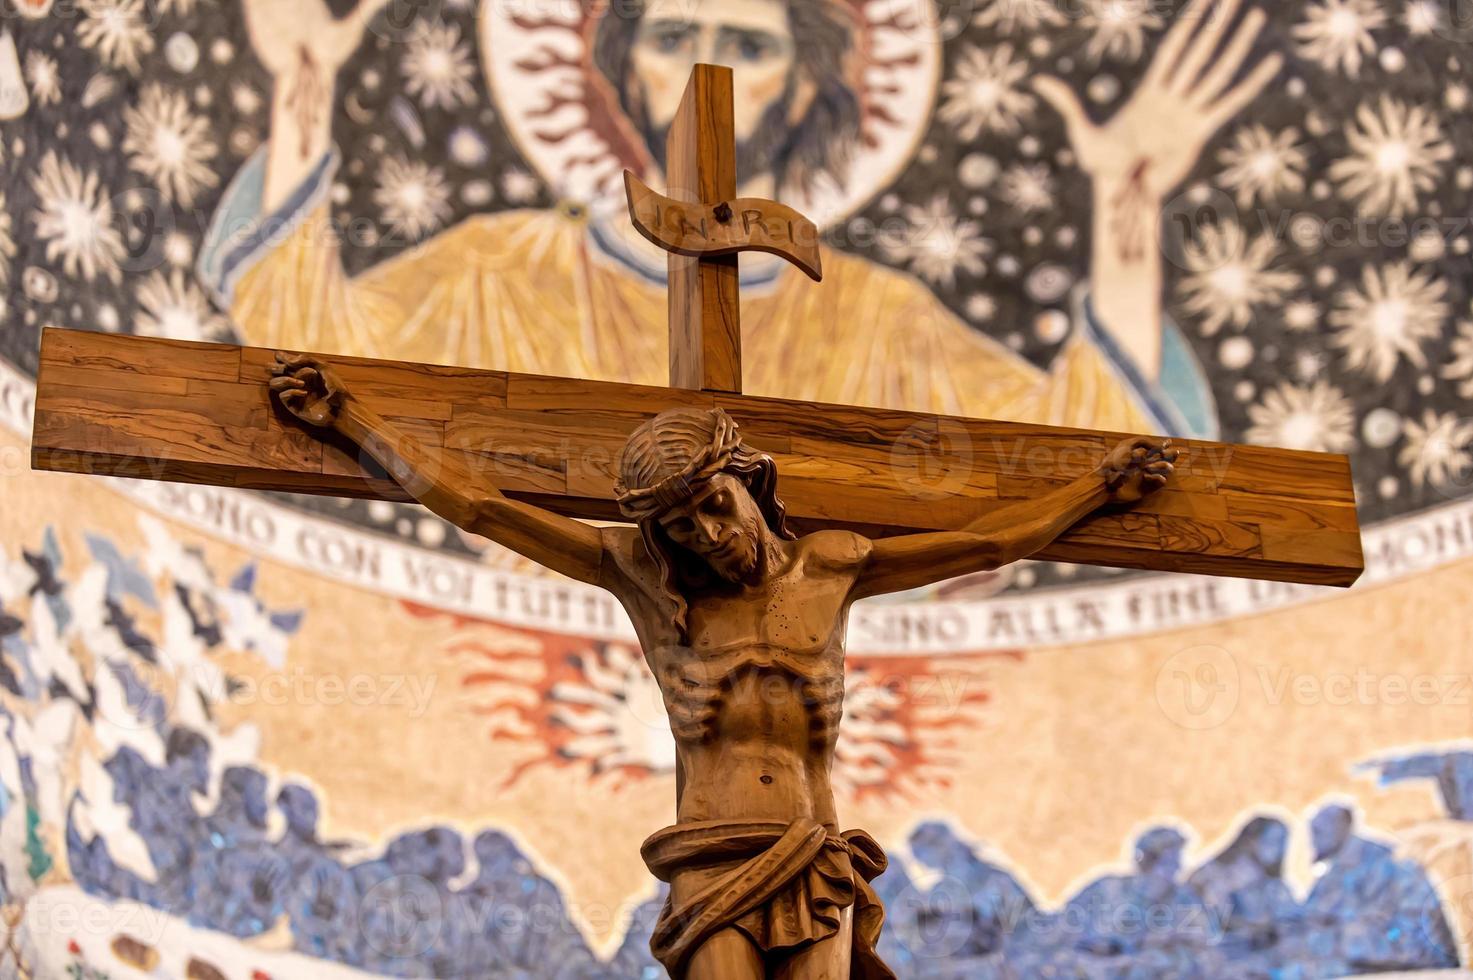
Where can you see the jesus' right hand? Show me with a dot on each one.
(309, 389)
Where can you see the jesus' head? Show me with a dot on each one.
(797, 112)
(706, 503)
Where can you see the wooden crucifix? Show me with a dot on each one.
(750, 526)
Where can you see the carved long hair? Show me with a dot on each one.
(666, 461)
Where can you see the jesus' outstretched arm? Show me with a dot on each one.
(311, 391)
(1132, 469)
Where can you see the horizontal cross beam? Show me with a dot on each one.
(201, 413)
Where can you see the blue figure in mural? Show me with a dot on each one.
(1369, 911)
(242, 813)
(323, 901)
(299, 806)
(967, 924)
(435, 855)
(396, 915)
(398, 918)
(995, 905)
(1244, 891)
(1128, 913)
(164, 814)
(161, 813)
(323, 908)
(522, 915)
(129, 771)
(94, 869)
(244, 891)
(634, 959)
(401, 914)
(1453, 772)
(238, 821)
(423, 864)
(241, 882)
(902, 901)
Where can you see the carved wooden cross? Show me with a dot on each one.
(202, 413)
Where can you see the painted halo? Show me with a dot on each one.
(567, 121)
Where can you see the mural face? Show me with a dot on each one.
(754, 37)
(1248, 223)
(825, 93)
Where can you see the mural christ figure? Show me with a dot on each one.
(574, 292)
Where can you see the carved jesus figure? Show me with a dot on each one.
(742, 624)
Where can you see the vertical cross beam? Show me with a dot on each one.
(705, 322)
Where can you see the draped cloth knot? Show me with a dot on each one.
(784, 885)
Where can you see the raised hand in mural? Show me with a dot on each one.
(303, 45)
(287, 34)
(1186, 96)
(1141, 153)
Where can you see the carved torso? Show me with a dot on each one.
(755, 698)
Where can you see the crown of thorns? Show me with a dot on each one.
(640, 503)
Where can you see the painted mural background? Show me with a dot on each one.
(260, 736)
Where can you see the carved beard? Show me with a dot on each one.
(738, 568)
(697, 570)
(757, 154)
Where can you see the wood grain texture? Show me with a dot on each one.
(201, 413)
(705, 322)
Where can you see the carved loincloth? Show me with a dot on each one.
(784, 886)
